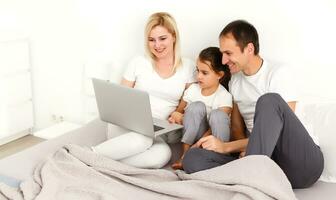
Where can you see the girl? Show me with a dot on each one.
(207, 103)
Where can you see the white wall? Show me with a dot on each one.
(69, 34)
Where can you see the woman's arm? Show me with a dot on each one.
(127, 83)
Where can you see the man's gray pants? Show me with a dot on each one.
(278, 134)
(195, 123)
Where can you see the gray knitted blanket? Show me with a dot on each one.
(78, 173)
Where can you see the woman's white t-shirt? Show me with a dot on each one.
(164, 93)
(220, 98)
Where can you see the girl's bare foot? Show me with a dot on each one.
(177, 165)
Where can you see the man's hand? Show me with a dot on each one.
(176, 117)
(213, 144)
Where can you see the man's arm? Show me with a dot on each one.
(214, 144)
(237, 124)
(292, 105)
(238, 139)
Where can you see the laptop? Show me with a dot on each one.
(129, 108)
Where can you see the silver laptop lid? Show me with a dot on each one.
(124, 106)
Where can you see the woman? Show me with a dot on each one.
(164, 74)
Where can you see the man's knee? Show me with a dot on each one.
(193, 160)
(269, 99)
(196, 107)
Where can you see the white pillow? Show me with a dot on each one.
(321, 118)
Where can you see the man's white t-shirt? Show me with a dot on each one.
(164, 93)
(247, 89)
(220, 98)
(270, 78)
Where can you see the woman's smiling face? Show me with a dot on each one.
(161, 42)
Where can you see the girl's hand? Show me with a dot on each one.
(176, 117)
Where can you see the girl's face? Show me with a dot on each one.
(206, 77)
(161, 42)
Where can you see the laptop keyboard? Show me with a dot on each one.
(157, 128)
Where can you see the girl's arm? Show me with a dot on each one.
(177, 115)
(181, 106)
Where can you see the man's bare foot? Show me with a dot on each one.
(177, 165)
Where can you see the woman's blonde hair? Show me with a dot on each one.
(165, 20)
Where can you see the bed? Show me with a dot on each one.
(21, 165)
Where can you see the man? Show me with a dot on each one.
(262, 123)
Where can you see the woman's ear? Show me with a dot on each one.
(221, 74)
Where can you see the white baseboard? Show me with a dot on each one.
(15, 136)
(56, 130)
